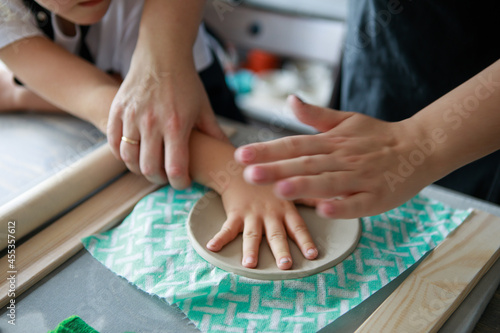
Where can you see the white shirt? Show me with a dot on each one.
(111, 41)
(16, 22)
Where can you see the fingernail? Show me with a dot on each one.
(299, 99)
(312, 252)
(213, 246)
(258, 174)
(246, 155)
(175, 172)
(329, 210)
(285, 261)
(249, 260)
(291, 97)
(285, 188)
(325, 210)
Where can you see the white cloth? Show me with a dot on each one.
(111, 41)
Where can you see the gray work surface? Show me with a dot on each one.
(84, 287)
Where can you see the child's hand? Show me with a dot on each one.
(254, 211)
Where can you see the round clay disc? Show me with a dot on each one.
(335, 239)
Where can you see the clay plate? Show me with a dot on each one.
(335, 239)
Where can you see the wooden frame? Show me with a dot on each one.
(430, 294)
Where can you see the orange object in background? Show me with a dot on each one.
(260, 61)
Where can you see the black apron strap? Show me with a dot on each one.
(84, 49)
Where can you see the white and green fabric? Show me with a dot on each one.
(151, 250)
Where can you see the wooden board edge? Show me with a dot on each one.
(51, 197)
(38, 257)
(433, 312)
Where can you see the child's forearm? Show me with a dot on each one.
(24, 99)
(212, 163)
(61, 78)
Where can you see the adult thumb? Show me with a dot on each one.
(323, 119)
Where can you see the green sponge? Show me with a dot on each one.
(73, 324)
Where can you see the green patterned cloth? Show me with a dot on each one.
(151, 250)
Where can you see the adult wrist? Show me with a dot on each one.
(427, 151)
(153, 59)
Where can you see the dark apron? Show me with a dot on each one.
(401, 56)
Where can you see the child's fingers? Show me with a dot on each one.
(297, 230)
(229, 230)
(252, 236)
(277, 239)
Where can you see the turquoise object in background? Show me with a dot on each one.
(241, 82)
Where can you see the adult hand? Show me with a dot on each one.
(357, 167)
(162, 97)
(158, 109)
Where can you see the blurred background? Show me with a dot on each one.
(272, 48)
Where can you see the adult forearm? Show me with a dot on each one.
(461, 126)
(168, 31)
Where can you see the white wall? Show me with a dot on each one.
(323, 8)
